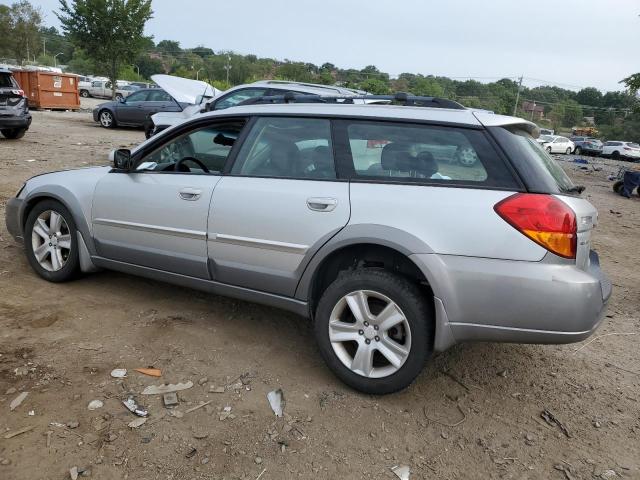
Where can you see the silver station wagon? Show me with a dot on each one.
(399, 229)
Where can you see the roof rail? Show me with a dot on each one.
(399, 98)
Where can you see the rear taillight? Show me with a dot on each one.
(544, 219)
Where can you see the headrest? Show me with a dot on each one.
(396, 156)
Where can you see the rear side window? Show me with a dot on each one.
(233, 99)
(394, 152)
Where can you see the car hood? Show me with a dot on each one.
(185, 90)
(167, 119)
(110, 104)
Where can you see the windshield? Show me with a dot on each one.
(546, 138)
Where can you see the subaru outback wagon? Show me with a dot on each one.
(354, 216)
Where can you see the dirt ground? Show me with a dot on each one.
(475, 411)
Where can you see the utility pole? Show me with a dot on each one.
(44, 47)
(515, 107)
(227, 67)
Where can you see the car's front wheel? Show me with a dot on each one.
(374, 330)
(549, 149)
(568, 151)
(84, 93)
(106, 119)
(13, 133)
(578, 151)
(51, 241)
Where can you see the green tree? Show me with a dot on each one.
(632, 82)
(589, 96)
(110, 31)
(20, 30)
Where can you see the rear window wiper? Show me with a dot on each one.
(576, 189)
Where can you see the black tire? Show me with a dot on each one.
(148, 128)
(568, 151)
(84, 93)
(618, 186)
(119, 96)
(103, 122)
(548, 150)
(71, 267)
(615, 155)
(14, 133)
(577, 151)
(416, 309)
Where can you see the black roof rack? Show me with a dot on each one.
(399, 98)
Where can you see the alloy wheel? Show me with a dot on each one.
(467, 157)
(51, 240)
(370, 334)
(106, 119)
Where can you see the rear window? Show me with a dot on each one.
(383, 151)
(539, 170)
(7, 81)
(633, 145)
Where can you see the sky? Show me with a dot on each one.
(569, 43)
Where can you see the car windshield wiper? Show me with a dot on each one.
(575, 189)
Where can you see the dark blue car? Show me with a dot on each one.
(135, 110)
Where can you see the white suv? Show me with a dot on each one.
(617, 149)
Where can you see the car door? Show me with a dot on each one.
(132, 109)
(556, 146)
(155, 215)
(278, 204)
(160, 101)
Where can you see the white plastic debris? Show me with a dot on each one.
(15, 403)
(276, 400)
(162, 389)
(138, 422)
(95, 404)
(133, 407)
(401, 471)
(119, 373)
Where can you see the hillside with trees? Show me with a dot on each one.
(615, 114)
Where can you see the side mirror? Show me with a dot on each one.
(121, 159)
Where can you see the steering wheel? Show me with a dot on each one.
(178, 167)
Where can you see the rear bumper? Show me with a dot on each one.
(12, 218)
(480, 299)
(15, 121)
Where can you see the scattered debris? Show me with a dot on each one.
(502, 373)
(607, 474)
(170, 399)
(191, 453)
(134, 408)
(73, 424)
(138, 422)
(459, 422)
(401, 471)
(167, 388)
(10, 391)
(95, 404)
(73, 473)
(200, 435)
(15, 403)
(226, 413)
(261, 473)
(258, 460)
(119, 373)
(203, 380)
(200, 405)
(276, 400)
(566, 469)
(176, 413)
(152, 372)
(18, 432)
(214, 389)
(31, 413)
(550, 418)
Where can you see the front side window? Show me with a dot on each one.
(237, 97)
(288, 148)
(204, 150)
(137, 97)
(159, 96)
(418, 153)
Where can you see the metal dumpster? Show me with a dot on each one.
(50, 90)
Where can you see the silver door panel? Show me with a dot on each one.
(262, 230)
(142, 219)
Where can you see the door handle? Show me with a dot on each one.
(322, 204)
(190, 194)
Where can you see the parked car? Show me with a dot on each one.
(102, 89)
(340, 213)
(556, 144)
(617, 149)
(135, 110)
(587, 145)
(15, 118)
(235, 96)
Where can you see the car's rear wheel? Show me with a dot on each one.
(568, 151)
(106, 119)
(51, 241)
(374, 330)
(119, 97)
(13, 133)
(577, 151)
(549, 149)
(615, 155)
(84, 93)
